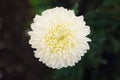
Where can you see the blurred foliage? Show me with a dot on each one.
(101, 62)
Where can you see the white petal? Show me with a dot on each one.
(59, 37)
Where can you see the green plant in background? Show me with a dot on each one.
(102, 62)
(39, 6)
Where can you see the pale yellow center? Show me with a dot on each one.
(59, 39)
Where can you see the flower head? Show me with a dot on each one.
(59, 37)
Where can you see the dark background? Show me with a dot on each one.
(101, 62)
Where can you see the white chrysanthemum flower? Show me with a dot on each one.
(59, 37)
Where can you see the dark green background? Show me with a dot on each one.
(101, 62)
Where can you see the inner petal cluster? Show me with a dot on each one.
(59, 39)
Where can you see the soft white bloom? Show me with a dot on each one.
(59, 37)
